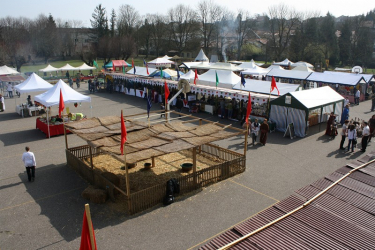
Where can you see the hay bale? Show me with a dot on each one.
(95, 195)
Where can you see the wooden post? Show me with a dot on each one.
(246, 135)
(153, 161)
(200, 147)
(195, 165)
(92, 165)
(66, 138)
(89, 222)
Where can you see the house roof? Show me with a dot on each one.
(340, 217)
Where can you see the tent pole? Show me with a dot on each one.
(48, 125)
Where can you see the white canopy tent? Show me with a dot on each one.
(217, 66)
(67, 67)
(167, 57)
(303, 68)
(264, 87)
(336, 78)
(309, 65)
(49, 68)
(161, 62)
(251, 68)
(289, 74)
(188, 76)
(189, 65)
(5, 70)
(52, 96)
(227, 79)
(284, 63)
(33, 83)
(201, 57)
(141, 71)
(84, 66)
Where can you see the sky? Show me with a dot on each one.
(82, 10)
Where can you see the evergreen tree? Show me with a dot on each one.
(345, 43)
(99, 23)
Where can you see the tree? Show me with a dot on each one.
(99, 23)
(328, 39)
(113, 23)
(209, 14)
(282, 20)
(159, 28)
(128, 19)
(244, 30)
(345, 43)
(182, 26)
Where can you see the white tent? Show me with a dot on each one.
(284, 63)
(303, 68)
(161, 62)
(251, 68)
(289, 74)
(189, 65)
(52, 96)
(141, 71)
(167, 57)
(32, 84)
(84, 66)
(336, 77)
(309, 65)
(49, 68)
(188, 76)
(5, 70)
(227, 79)
(264, 87)
(217, 66)
(67, 67)
(201, 57)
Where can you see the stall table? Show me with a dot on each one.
(53, 129)
(32, 111)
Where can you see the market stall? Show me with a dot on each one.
(305, 108)
(33, 83)
(52, 98)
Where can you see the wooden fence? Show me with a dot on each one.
(233, 163)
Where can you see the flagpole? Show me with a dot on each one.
(269, 97)
(126, 170)
(148, 117)
(89, 223)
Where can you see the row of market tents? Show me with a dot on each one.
(67, 67)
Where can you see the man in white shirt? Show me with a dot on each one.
(365, 136)
(10, 90)
(356, 97)
(28, 159)
(346, 101)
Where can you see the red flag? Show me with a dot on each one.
(273, 85)
(123, 134)
(61, 104)
(248, 110)
(85, 235)
(166, 90)
(195, 77)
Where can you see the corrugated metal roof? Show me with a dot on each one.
(341, 218)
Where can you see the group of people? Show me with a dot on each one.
(254, 129)
(350, 130)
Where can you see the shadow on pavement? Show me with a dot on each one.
(19, 137)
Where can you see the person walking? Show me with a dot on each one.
(230, 109)
(179, 105)
(28, 159)
(70, 82)
(264, 128)
(371, 124)
(365, 136)
(356, 97)
(373, 102)
(352, 136)
(2, 103)
(10, 90)
(346, 101)
(78, 81)
(344, 134)
(255, 130)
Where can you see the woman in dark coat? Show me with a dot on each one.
(264, 128)
(330, 122)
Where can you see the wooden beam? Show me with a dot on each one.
(66, 138)
(153, 161)
(195, 165)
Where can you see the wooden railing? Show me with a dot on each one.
(232, 163)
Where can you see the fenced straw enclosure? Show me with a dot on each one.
(232, 164)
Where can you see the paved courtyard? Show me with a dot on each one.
(47, 213)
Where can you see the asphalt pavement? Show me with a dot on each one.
(47, 213)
